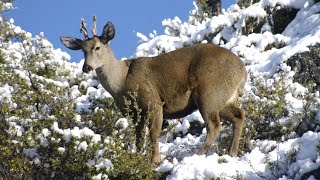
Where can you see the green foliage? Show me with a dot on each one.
(253, 25)
(268, 115)
(280, 168)
(12, 166)
(59, 159)
(246, 3)
(264, 110)
(39, 121)
(128, 161)
(203, 13)
(276, 45)
(2, 61)
(198, 15)
(307, 116)
(102, 121)
(36, 100)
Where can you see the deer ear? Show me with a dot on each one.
(71, 43)
(108, 33)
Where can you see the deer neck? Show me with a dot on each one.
(112, 75)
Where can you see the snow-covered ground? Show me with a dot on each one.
(268, 159)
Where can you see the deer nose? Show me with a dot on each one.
(86, 68)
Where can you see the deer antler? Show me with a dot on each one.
(94, 30)
(83, 29)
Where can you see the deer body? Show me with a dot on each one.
(171, 85)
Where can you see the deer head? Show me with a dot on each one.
(93, 48)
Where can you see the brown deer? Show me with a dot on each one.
(170, 85)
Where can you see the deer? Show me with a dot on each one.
(204, 77)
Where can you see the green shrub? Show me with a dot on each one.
(39, 121)
(307, 116)
(128, 161)
(12, 165)
(246, 3)
(264, 108)
(270, 116)
(253, 25)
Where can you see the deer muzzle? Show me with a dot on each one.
(86, 68)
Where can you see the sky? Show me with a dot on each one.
(62, 18)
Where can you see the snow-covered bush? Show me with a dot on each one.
(57, 122)
(278, 109)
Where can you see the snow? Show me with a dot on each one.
(287, 3)
(267, 159)
(31, 152)
(165, 166)
(83, 145)
(61, 149)
(200, 167)
(46, 132)
(103, 163)
(76, 132)
(122, 123)
(142, 37)
(100, 176)
(5, 93)
(7, 6)
(182, 127)
(195, 116)
(56, 128)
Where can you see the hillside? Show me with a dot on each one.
(57, 122)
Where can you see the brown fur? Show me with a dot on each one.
(173, 85)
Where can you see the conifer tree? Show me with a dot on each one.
(210, 7)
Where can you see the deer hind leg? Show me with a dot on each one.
(209, 108)
(236, 116)
(213, 126)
